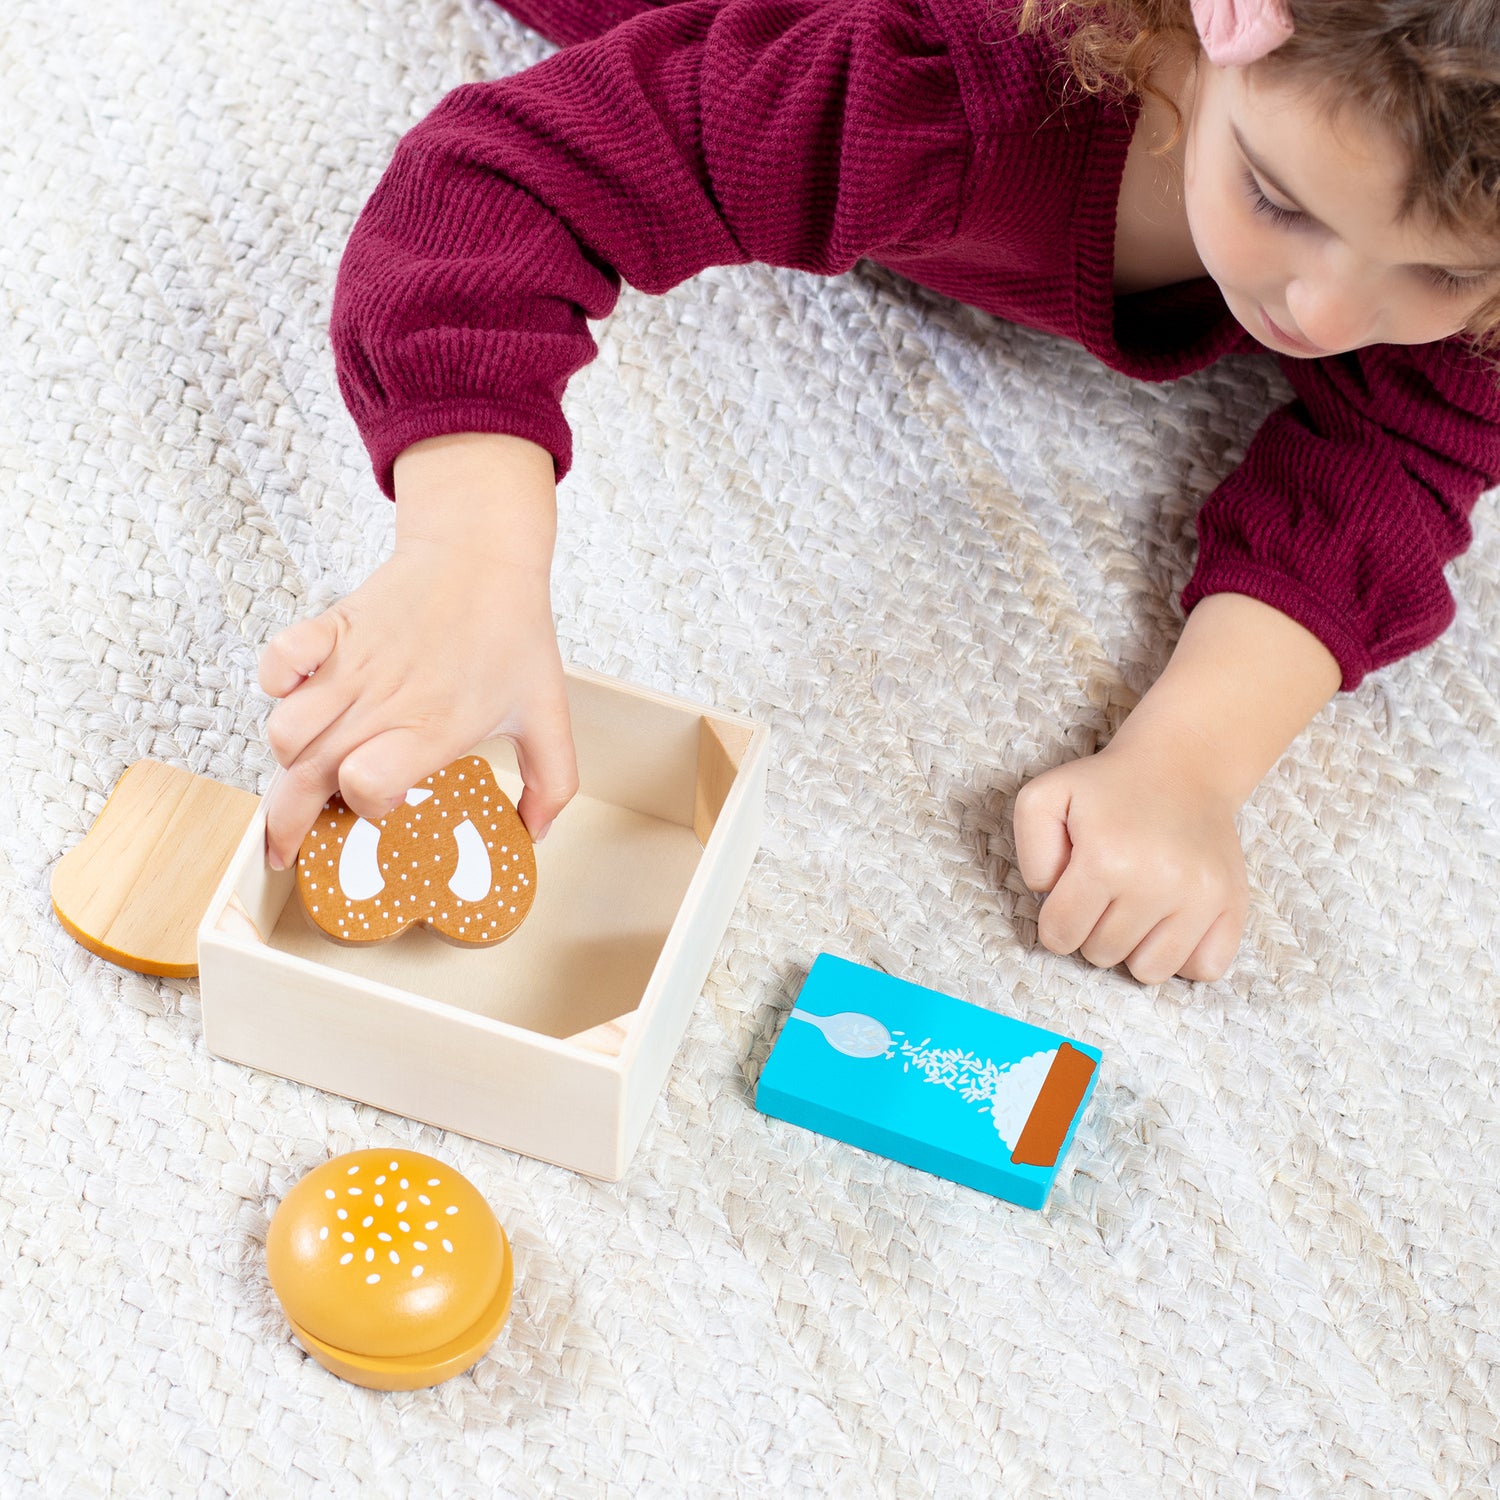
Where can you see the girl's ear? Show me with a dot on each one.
(1236, 33)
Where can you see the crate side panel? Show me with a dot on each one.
(417, 1059)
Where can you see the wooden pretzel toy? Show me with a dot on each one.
(454, 857)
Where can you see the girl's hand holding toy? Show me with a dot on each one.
(449, 641)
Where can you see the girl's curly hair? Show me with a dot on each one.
(1427, 70)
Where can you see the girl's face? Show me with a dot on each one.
(1294, 214)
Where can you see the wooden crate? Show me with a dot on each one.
(555, 1042)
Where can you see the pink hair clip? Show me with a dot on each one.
(1236, 33)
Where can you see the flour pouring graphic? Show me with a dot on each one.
(1008, 1090)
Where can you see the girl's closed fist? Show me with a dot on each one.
(1140, 863)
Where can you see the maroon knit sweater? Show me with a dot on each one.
(929, 137)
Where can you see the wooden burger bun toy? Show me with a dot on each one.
(391, 1268)
(454, 858)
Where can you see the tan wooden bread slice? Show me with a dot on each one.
(135, 889)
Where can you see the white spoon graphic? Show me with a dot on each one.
(849, 1032)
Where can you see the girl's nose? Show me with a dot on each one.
(1333, 311)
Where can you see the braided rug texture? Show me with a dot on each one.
(935, 554)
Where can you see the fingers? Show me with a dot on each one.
(293, 807)
(300, 731)
(1212, 957)
(305, 716)
(308, 709)
(1072, 911)
(1043, 847)
(549, 768)
(1199, 947)
(375, 776)
(1166, 948)
(1138, 868)
(372, 777)
(330, 742)
(303, 733)
(327, 746)
(1107, 926)
(312, 776)
(294, 654)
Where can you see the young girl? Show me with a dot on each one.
(1163, 181)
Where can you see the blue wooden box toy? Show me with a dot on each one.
(928, 1080)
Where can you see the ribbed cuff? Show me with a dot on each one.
(391, 434)
(1295, 600)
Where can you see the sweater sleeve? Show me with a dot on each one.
(1354, 497)
(805, 133)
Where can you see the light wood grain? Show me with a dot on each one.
(721, 749)
(137, 886)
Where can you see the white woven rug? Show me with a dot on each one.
(935, 554)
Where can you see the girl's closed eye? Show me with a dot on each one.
(1446, 281)
(1442, 280)
(1275, 212)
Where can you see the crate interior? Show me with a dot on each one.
(611, 876)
